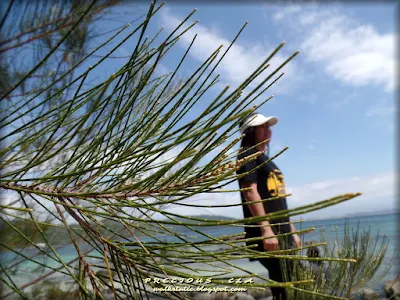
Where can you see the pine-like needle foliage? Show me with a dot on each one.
(89, 167)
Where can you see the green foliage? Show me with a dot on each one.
(346, 280)
(100, 162)
(55, 233)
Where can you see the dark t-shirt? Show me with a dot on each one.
(270, 183)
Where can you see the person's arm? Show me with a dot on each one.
(297, 239)
(250, 179)
(257, 209)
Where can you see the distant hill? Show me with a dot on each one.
(374, 213)
(350, 215)
(184, 229)
(207, 217)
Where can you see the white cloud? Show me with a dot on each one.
(240, 61)
(354, 53)
(210, 199)
(379, 188)
(281, 14)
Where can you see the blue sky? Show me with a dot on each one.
(336, 102)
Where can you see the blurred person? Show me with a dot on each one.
(265, 182)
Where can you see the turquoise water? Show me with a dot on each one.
(384, 225)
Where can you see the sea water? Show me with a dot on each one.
(380, 226)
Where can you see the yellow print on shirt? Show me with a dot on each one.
(275, 183)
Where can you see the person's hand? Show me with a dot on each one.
(271, 243)
(297, 240)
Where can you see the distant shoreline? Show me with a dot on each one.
(372, 214)
(355, 215)
(298, 218)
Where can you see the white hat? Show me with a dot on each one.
(257, 119)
